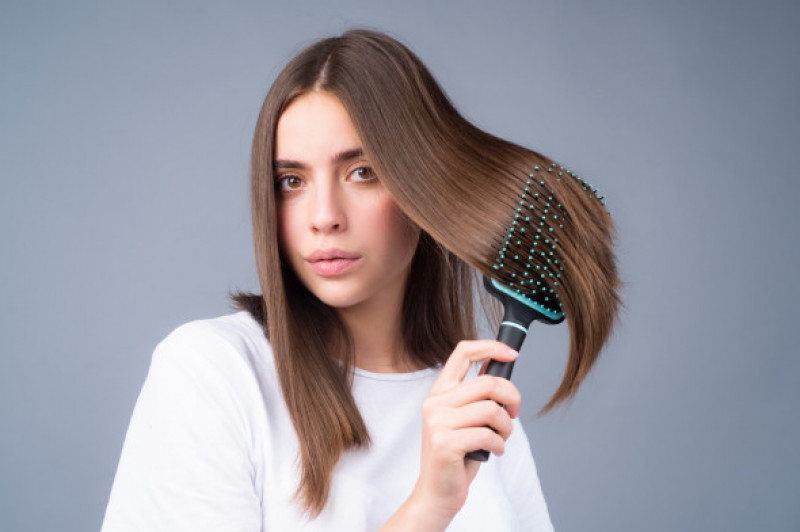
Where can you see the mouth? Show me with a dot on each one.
(331, 262)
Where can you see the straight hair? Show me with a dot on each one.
(452, 180)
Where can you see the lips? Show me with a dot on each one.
(331, 262)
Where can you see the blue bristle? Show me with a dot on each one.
(551, 216)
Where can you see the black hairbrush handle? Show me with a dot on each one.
(511, 334)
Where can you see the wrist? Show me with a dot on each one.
(418, 514)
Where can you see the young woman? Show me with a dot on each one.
(344, 396)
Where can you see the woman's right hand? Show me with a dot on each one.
(458, 416)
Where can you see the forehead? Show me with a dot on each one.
(315, 124)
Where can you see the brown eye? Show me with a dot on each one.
(363, 174)
(289, 183)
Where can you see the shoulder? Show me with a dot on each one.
(215, 340)
(228, 349)
(238, 330)
(205, 370)
(196, 432)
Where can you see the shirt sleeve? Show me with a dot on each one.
(521, 479)
(186, 461)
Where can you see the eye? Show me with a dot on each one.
(288, 183)
(363, 174)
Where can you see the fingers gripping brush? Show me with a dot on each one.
(519, 311)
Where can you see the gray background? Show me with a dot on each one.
(125, 129)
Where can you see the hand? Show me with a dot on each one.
(458, 417)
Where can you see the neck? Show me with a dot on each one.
(376, 329)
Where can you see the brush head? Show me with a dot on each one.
(530, 264)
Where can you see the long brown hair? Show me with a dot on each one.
(438, 307)
(451, 179)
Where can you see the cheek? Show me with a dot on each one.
(398, 231)
(286, 236)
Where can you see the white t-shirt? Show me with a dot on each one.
(211, 447)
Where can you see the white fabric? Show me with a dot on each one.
(211, 447)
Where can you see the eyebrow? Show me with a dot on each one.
(339, 157)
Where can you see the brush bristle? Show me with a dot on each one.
(561, 235)
(529, 261)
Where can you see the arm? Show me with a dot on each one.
(185, 464)
(458, 417)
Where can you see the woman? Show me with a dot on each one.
(342, 398)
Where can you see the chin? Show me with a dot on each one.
(338, 299)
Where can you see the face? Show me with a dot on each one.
(339, 229)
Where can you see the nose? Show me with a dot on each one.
(327, 208)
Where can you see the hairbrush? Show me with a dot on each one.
(529, 265)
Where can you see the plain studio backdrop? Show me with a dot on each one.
(125, 131)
